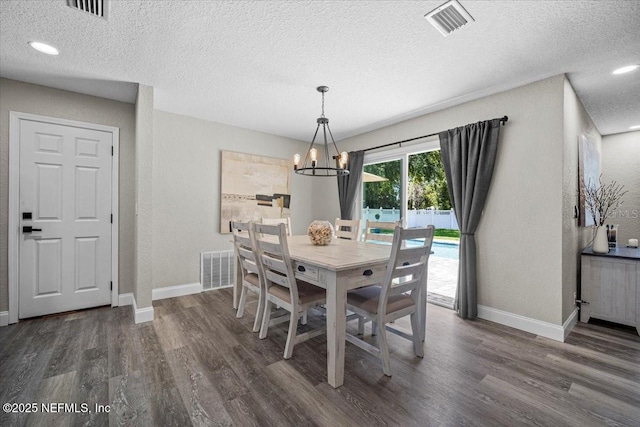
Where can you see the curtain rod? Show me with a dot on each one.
(503, 120)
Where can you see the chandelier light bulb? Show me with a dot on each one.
(313, 153)
(296, 160)
(344, 158)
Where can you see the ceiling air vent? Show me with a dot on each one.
(94, 7)
(449, 17)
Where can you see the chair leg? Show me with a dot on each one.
(360, 325)
(384, 351)
(291, 336)
(265, 319)
(241, 304)
(374, 328)
(418, 344)
(259, 312)
(304, 317)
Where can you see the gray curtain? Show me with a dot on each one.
(468, 155)
(348, 185)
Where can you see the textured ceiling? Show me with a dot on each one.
(255, 64)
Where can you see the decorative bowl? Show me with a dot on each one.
(320, 233)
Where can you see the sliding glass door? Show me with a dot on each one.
(409, 185)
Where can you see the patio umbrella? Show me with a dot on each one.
(369, 177)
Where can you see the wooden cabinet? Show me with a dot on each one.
(611, 286)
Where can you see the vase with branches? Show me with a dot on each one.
(601, 200)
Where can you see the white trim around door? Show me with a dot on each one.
(14, 203)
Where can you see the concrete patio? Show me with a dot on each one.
(442, 280)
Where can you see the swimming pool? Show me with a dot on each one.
(442, 249)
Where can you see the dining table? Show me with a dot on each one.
(339, 267)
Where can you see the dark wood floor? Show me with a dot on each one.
(197, 364)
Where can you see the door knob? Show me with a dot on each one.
(29, 229)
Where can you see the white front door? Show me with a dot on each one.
(65, 197)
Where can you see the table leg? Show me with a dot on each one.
(423, 307)
(237, 285)
(336, 329)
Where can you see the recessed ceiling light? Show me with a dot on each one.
(626, 69)
(636, 127)
(44, 48)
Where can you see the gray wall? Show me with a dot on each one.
(519, 245)
(144, 197)
(574, 238)
(34, 99)
(186, 190)
(621, 163)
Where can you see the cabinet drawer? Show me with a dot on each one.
(306, 272)
(359, 277)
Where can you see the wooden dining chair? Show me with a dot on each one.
(397, 296)
(282, 288)
(347, 229)
(275, 221)
(252, 280)
(374, 228)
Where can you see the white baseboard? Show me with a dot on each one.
(141, 315)
(527, 324)
(162, 293)
(176, 291)
(570, 323)
(4, 318)
(146, 314)
(218, 288)
(125, 299)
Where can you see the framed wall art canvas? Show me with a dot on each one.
(253, 187)
(588, 172)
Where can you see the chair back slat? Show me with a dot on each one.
(407, 270)
(413, 233)
(347, 229)
(278, 279)
(250, 266)
(246, 253)
(240, 226)
(406, 286)
(243, 239)
(411, 254)
(270, 247)
(275, 221)
(274, 264)
(378, 225)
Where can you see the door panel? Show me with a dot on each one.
(65, 181)
(86, 193)
(86, 263)
(49, 192)
(48, 261)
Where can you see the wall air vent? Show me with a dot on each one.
(449, 17)
(97, 8)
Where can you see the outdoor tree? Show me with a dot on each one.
(427, 182)
(427, 185)
(383, 194)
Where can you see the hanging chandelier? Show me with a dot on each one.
(314, 166)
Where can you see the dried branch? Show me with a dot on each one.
(602, 200)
